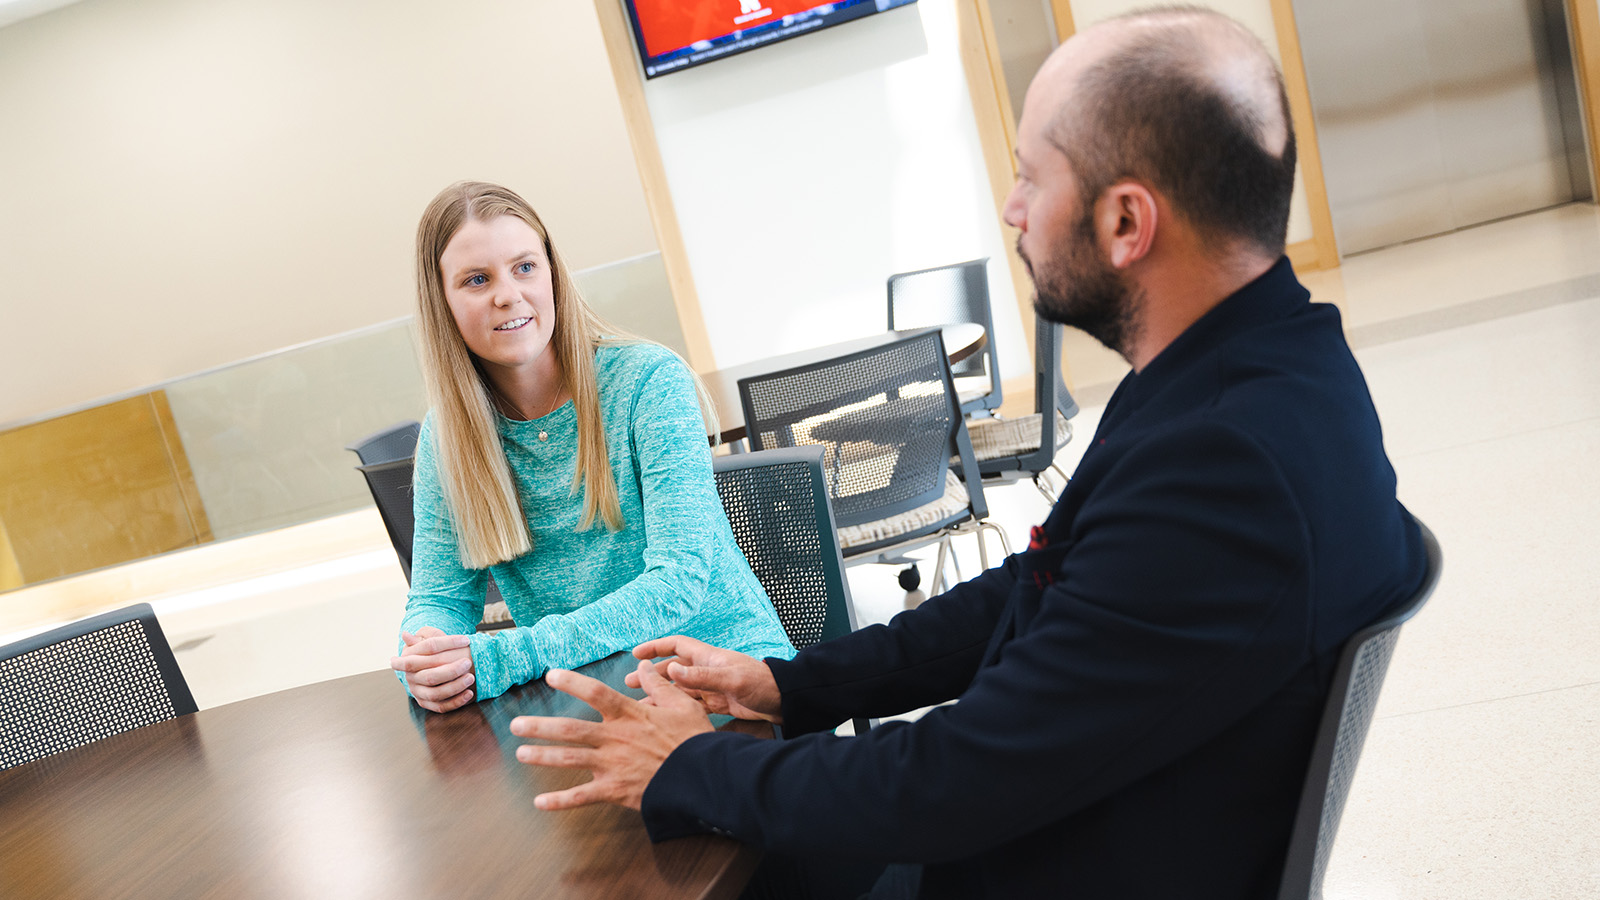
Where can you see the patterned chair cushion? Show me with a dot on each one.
(495, 613)
(996, 438)
(953, 502)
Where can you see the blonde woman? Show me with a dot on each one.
(570, 467)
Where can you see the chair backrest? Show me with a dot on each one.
(1051, 399)
(1357, 679)
(390, 483)
(777, 504)
(392, 443)
(886, 417)
(1050, 385)
(85, 681)
(945, 295)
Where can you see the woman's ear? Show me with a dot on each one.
(1125, 222)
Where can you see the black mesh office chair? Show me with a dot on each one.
(888, 421)
(777, 504)
(1011, 448)
(1357, 679)
(388, 444)
(86, 681)
(390, 484)
(386, 458)
(946, 295)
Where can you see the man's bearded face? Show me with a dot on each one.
(1077, 286)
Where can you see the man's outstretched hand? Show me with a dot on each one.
(623, 750)
(724, 681)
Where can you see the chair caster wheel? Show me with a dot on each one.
(910, 578)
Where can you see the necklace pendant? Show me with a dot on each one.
(544, 436)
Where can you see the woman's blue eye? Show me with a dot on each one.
(477, 280)
(525, 268)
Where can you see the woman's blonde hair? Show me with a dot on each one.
(476, 478)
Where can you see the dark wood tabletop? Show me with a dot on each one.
(960, 341)
(341, 789)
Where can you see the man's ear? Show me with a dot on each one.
(1125, 222)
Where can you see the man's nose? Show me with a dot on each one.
(1014, 212)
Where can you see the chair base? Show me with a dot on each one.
(891, 553)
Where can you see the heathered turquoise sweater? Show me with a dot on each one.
(579, 596)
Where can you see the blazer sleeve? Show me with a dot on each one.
(1178, 607)
(923, 656)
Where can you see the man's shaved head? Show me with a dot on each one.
(1189, 102)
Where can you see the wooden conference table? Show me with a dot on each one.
(340, 789)
(960, 341)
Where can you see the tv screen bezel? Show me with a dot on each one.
(869, 8)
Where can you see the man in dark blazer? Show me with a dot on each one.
(1137, 692)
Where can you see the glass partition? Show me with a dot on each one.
(246, 448)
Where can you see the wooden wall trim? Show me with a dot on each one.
(1324, 251)
(1061, 10)
(618, 35)
(997, 134)
(1304, 256)
(1583, 22)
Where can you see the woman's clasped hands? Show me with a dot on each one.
(437, 667)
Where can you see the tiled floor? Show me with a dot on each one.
(1481, 776)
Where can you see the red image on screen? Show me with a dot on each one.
(669, 25)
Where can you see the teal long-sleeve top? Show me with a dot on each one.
(579, 596)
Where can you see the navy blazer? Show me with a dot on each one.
(1138, 691)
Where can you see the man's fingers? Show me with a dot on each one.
(676, 645)
(557, 756)
(704, 678)
(664, 694)
(571, 798)
(632, 678)
(658, 688)
(606, 700)
(556, 728)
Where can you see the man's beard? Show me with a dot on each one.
(1081, 289)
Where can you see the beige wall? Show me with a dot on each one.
(807, 172)
(187, 183)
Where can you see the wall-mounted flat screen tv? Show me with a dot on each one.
(677, 34)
